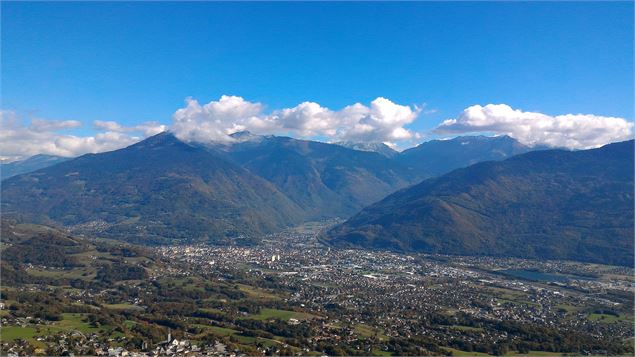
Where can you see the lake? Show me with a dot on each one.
(534, 275)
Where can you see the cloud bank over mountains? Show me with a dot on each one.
(380, 121)
(21, 138)
(573, 131)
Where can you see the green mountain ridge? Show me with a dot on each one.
(156, 190)
(551, 204)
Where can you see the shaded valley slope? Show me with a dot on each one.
(551, 204)
(326, 180)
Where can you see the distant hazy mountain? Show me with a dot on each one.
(437, 157)
(552, 204)
(379, 148)
(158, 189)
(326, 180)
(29, 165)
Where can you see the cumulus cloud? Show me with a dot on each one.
(20, 138)
(109, 125)
(41, 125)
(573, 131)
(382, 121)
(147, 129)
(215, 120)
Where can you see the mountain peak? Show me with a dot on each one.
(245, 135)
(157, 190)
(440, 156)
(377, 147)
(241, 134)
(476, 138)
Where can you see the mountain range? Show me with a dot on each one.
(163, 189)
(160, 188)
(552, 204)
(326, 180)
(337, 180)
(436, 157)
(28, 165)
(379, 148)
(444, 196)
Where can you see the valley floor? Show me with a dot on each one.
(290, 295)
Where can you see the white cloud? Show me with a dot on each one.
(150, 128)
(147, 128)
(574, 131)
(216, 119)
(109, 125)
(306, 120)
(382, 121)
(42, 125)
(20, 138)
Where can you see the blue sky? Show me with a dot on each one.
(137, 62)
